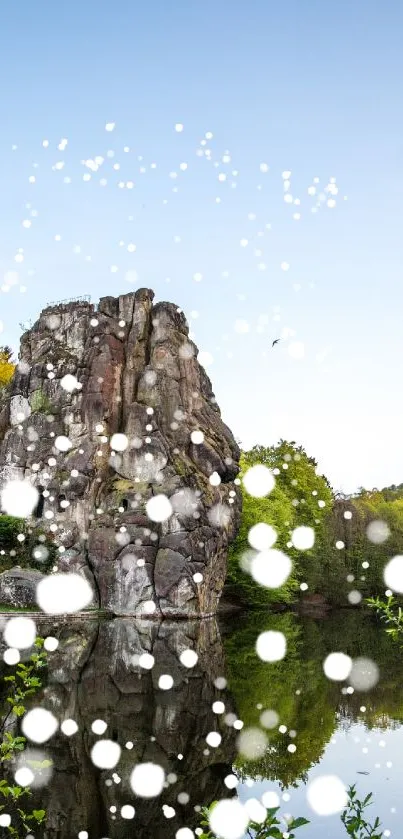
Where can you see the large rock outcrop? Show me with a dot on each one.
(137, 375)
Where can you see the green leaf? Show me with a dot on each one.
(300, 822)
(19, 710)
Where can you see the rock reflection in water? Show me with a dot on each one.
(95, 674)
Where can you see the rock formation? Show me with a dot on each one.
(127, 368)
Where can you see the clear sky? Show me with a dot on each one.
(313, 87)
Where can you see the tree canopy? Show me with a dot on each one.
(345, 563)
(7, 366)
(300, 497)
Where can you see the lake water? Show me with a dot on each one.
(97, 674)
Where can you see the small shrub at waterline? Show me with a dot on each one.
(269, 827)
(391, 613)
(354, 821)
(19, 685)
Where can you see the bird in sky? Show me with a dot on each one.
(276, 341)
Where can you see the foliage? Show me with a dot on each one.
(365, 507)
(389, 612)
(342, 558)
(21, 553)
(297, 474)
(7, 366)
(10, 528)
(19, 686)
(277, 511)
(354, 821)
(40, 403)
(294, 501)
(271, 827)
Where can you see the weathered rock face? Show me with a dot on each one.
(95, 674)
(138, 376)
(18, 587)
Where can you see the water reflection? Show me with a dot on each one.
(95, 675)
(306, 702)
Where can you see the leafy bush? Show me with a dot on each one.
(391, 613)
(271, 828)
(10, 527)
(276, 511)
(22, 552)
(354, 820)
(22, 683)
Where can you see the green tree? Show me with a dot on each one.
(300, 497)
(348, 552)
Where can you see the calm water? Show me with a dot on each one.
(95, 675)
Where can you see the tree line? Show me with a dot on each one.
(354, 535)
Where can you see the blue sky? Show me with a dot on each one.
(308, 87)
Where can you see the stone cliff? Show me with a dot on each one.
(109, 408)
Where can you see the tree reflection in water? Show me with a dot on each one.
(297, 689)
(95, 675)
